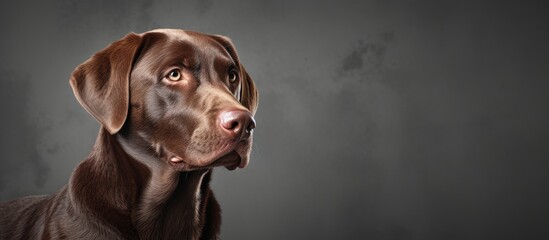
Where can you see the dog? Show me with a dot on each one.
(172, 105)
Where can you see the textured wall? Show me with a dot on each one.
(378, 119)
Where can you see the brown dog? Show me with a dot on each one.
(172, 105)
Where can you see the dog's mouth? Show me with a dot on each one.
(196, 155)
(231, 161)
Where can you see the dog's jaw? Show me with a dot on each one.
(236, 156)
(230, 160)
(154, 154)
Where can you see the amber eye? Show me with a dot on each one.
(233, 76)
(174, 75)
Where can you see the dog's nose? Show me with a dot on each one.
(237, 123)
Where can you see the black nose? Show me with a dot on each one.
(237, 124)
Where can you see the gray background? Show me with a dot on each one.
(378, 119)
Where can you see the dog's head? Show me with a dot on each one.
(181, 96)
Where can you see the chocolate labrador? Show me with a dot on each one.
(172, 104)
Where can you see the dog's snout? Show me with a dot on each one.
(237, 123)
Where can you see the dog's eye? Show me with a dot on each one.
(174, 75)
(233, 76)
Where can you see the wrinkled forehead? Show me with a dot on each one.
(192, 47)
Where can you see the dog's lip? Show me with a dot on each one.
(231, 156)
(231, 161)
(243, 163)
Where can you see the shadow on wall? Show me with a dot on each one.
(19, 137)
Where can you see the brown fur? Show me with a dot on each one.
(130, 187)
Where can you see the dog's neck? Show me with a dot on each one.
(160, 201)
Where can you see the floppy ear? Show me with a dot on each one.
(249, 96)
(101, 84)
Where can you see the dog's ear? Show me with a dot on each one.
(101, 84)
(249, 96)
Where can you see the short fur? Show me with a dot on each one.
(148, 174)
